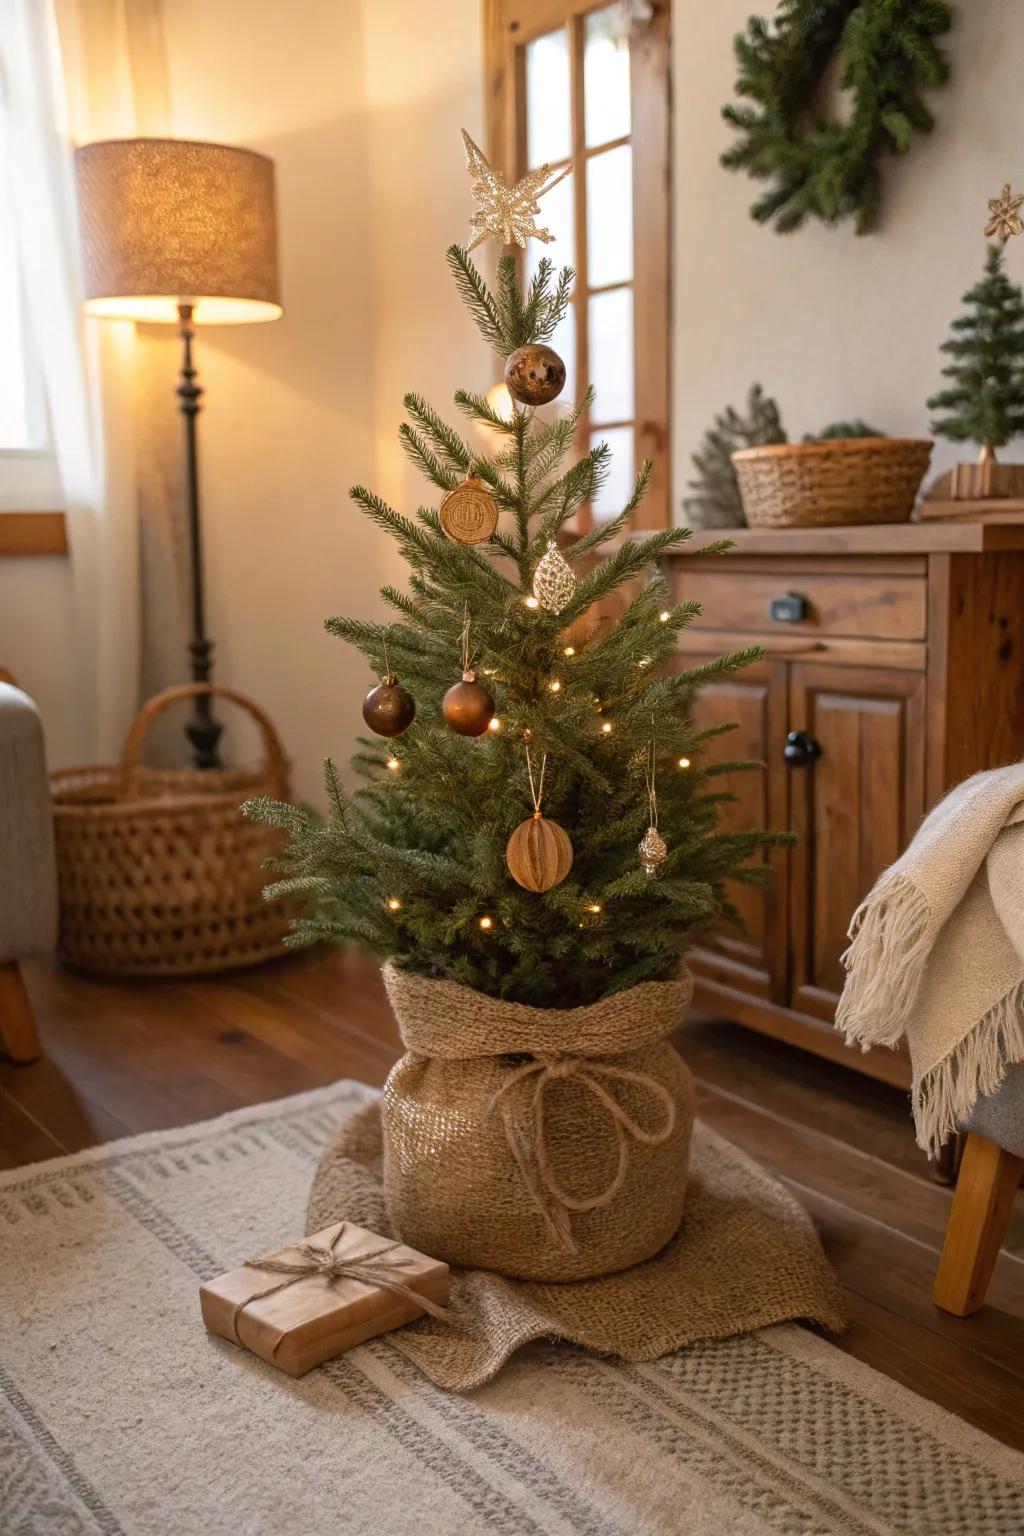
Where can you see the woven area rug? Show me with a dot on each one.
(119, 1415)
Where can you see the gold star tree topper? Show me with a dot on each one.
(1005, 211)
(508, 214)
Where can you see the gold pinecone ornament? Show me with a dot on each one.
(653, 852)
(553, 580)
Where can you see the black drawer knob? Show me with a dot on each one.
(793, 608)
(800, 749)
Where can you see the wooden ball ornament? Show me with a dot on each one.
(469, 513)
(387, 709)
(467, 706)
(539, 854)
(535, 374)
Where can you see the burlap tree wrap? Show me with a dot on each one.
(543, 1143)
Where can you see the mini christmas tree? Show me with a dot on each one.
(985, 403)
(564, 846)
(717, 503)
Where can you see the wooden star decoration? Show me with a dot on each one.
(1005, 211)
(508, 214)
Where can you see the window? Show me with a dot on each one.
(587, 84)
(28, 467)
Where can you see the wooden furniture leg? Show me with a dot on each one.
(985, 1190)
(18, 1035)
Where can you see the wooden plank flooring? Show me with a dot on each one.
(127, 1057)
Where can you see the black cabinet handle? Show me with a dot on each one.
(800, 749)
(793, 608)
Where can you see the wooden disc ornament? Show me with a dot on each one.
(539, 853)
(467, 706)
(535, 374)
(387, 709)
(469, 513)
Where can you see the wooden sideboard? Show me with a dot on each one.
(893, 668)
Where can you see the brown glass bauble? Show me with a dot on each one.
(467, 706)
(469, 513)
(388, 709)
(539, 854)
(534, 374)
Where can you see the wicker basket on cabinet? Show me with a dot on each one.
(159, 873)
(843, 480)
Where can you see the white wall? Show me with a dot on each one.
(831, 324)
(359, 105)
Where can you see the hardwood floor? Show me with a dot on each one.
(125, 1057)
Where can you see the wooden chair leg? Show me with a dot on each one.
(985, 1191)
(18, 1034)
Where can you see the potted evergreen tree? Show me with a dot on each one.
(984, 403)
(535, 842)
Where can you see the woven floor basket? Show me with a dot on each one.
(844, 480)
(159, 872)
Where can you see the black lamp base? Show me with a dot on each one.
(202, 730)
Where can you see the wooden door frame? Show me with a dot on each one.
(508, 26)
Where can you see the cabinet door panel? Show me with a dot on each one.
(854, 808)
(753, 700)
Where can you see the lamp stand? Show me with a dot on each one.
(202, 730)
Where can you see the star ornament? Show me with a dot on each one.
(508, 214)
(1005, 211)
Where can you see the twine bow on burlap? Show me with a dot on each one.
(314, 1259)
(529, 1144)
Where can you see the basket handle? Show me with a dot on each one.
(276, 762)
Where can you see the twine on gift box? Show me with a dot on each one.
(316, 1260)
(554, 1203)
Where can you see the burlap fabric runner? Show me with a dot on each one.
(543, 1143)
(745, 1256)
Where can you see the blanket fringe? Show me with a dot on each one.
(972, 1071)
(891, 940)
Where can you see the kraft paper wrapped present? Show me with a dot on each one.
(308, 1301)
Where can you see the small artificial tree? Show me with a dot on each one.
(985, 403)
(413, 867)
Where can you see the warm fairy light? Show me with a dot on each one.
(570, 650)
(665, 615)
(684, 762)
(495, 724)
(555, 685)
(606, 728)
(393, 903)
(394, 764)
(645, 661)
(531, 601)
(594, 907)
(487, 922)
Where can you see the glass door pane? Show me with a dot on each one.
(548, 99)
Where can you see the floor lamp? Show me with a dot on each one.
(182, 233)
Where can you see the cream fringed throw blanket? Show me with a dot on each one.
(938, 952)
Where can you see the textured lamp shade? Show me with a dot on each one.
(172, 221)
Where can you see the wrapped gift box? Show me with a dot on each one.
(308, 1301)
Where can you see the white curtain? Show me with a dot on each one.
(72, 72)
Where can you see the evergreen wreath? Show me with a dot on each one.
(826, 168)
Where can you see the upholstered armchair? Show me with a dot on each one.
(28, 878)
(990, 1174)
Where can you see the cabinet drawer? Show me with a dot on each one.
(887, 607)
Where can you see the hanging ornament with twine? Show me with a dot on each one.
(388, 709)
(539, 853)
(553, 580)
(469, 513)
(467, 707)
(653, 848)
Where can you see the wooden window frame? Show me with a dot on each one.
(509, 25)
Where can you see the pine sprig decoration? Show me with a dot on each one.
(830, 169)
(716, 502)
(409, 864)
(985, 401)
